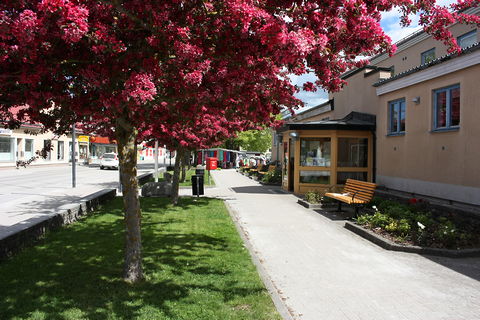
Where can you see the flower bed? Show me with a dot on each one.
(273, 177)
(414, 224)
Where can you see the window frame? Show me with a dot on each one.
(328, 163)
(466, 35)
(391, 105)
(60, 151)
(425, 53)
(448, 107)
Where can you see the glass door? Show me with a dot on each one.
(28, 149)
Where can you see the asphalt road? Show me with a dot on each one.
(29, 193)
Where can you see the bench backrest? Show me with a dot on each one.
(364, 190)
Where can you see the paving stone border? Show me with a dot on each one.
(308, 205)
(390, 245)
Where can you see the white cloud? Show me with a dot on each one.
(310, 99)
(391, 22)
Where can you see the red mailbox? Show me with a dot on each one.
(212, 163)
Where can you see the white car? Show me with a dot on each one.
(109, 160)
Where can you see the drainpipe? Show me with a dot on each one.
(374, 169)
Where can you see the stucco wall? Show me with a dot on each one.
(358, 95)
(432, 163)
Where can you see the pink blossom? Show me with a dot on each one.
(140, 88)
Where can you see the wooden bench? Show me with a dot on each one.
(355, 192)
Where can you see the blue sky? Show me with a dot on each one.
(391, 24)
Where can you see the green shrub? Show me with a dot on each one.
(363, 219)
(445, 232)
(380, 220)
(399, 228)
(273, 176)
(313, 196)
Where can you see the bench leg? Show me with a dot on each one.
(339, 208)
(356, 211)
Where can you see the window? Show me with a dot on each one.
(467, 39)
(7, 149)
(446, 107)
(315, 152)
(47, 145)
(60, 151)
(343, 176)
(428, 56)
(396, 116)
(352, 152)
(315, 177)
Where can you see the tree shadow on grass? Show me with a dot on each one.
(76, 272)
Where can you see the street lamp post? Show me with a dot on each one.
(74, 169)
(156, 160)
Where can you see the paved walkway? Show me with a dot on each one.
(323, 271)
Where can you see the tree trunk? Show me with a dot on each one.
(176, 175)
(184, 164)
(188, 164)
(127, 148)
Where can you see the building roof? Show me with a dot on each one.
(353, 121)
(372, 70)
(311, 112)
(416, 36)
(432, 63)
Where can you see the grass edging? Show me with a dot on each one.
(390, 245)
(278, 301)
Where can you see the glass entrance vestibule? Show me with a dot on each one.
(324, 159)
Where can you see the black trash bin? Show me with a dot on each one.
(200, 172)
(197, 184)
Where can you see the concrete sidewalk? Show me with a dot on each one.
(322, 271)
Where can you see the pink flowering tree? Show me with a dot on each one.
(117, 65)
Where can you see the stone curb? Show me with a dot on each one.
(308, 205)
(389, 245)
(278, 301)
(66, 214)
(143, 178)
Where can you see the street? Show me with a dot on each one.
(28, 194)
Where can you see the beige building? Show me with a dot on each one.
(425, 105)
(24, 143)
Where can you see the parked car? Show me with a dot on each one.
(109, 160)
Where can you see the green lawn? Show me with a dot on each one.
(188, 178)
(195, 266)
